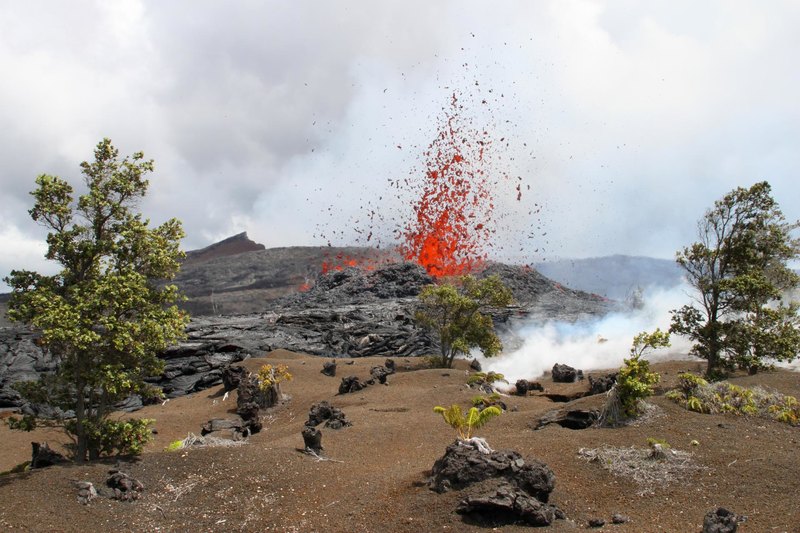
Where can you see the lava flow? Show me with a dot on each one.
(452, 222)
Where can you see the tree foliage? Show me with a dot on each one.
(455, 314)
(107, 313)
(739, 271)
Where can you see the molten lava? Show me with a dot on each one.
(451, 226)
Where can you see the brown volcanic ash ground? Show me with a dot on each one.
(375, 484)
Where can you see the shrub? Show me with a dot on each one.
(174, 446)
(696, 394)
(465, 425)
(117, 437)
(479, 378)
(482, 402)
(269, 376)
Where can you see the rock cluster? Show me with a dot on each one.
(500, 486)
(333, 417)
(123, 486)
(602, 384)
(378, 374)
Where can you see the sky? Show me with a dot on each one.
(624, 120)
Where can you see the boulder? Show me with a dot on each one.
(86, 492)
(464, 464)
(523, 386)
(506, 503)
(475, 365)
(379, 373)
(350, 384)
(565, 374)
(721, 520)
(602, 384)
(390, 365)
(250, 391)
(329, 368)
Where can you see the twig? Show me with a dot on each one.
(312, 453)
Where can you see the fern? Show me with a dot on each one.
(466, 424)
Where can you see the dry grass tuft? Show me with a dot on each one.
(646, 469)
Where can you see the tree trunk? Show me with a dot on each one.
(80, 417)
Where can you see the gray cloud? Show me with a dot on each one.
(626, 119)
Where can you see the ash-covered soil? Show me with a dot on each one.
(375, 478)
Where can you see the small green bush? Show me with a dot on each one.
(696, 394)
(174, 446)
(116, 437)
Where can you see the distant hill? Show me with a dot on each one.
(614, 276)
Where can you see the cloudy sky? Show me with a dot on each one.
(284, 119)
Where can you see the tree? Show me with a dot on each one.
(739, 271)
(454, 314)
(635, 380)
(107, 313)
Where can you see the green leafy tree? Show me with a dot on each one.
(455, 314)
(739, 271)
(107, 313)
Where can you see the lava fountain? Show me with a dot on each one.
(450, 229)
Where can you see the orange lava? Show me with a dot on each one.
(451, 227)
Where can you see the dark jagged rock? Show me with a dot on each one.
(596, 522)
(602, 384)
(475, 365)
(571, 419)
(312, 439)
(506, 503)
(329, 368)
(523, 386)
(333, 417)
(463, 464)
(379, 373)
(250, 391)
(721, 520)
(232, 376)
(565, 374)
(124, 487)
(500, 486)
(390, 366)
(350, 384)
(42, 456)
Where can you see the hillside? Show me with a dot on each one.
(375, 480)
(614, 276)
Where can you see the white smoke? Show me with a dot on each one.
(596, 344)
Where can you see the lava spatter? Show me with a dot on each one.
(452, 222)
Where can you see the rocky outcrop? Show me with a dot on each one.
(347, 313)
(499, 486)
(123, 486)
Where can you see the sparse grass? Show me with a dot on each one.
(648, 470)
